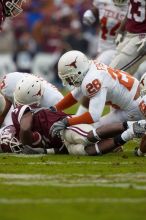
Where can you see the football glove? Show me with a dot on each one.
(58, 126)
(119, 38)
(89, 18)
(52, 109)
(26, 149)
(141, 46)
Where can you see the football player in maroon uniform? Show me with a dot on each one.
(10, 8)
(115, 135)
(132, 50)
(33, 128)
(9, 142)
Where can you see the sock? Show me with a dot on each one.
(50, 151)
(97, 149)
(128, 134)
(130, 123)
(139, 153)
(118, 140)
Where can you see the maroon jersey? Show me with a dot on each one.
(43, 119)
(136, 17)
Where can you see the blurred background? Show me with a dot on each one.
(34, 41)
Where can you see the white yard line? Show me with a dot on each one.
(128, 180)
(129, 176)
(21, 155)
(8, 201)
(73, 163)
(77, 185)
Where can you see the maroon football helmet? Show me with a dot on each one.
(12, 7)
(8, 142)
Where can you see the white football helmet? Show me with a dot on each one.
(28, 91)
(72, 68)
(8, 142)
(143, 85)
(120, 2)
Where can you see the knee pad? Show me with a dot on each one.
(76, 149)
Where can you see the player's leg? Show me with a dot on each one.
(114, 116)
(140, 71)
(108, 145)
(75, 138)
(130, 130)
(127, 58)
(106, 57)
(141, 151)
(106, 131)
(102, 147)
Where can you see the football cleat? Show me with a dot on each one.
(138, 130)
(137, 152)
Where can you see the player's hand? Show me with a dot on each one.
(141, 46)
(89, 18)
(52, 109)
(119, 38)
(26, 149)
(58, 126)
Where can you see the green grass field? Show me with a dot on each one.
(73, 187)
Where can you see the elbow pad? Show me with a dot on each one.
(2, 104)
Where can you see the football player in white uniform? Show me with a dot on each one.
(114, 135)
(102, 85)
(107, 15)
(130, 53)
(24, 88)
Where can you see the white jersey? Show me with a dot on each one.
(104, 85)
(110, 19)
(50, 96)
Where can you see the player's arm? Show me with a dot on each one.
(66, 102)
(25, 129)
(96, 107)
(5, 106)
(27, 137)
